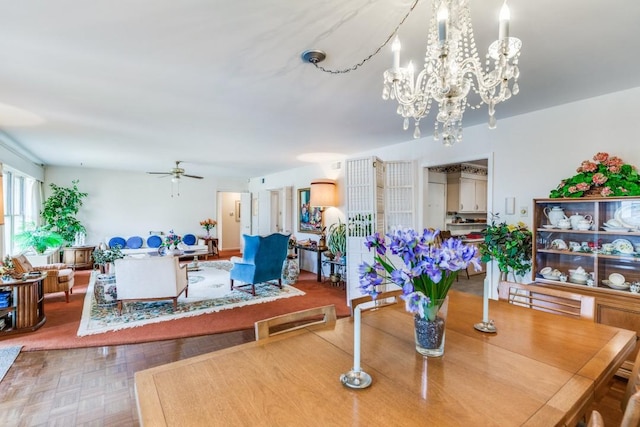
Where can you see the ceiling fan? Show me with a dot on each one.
(176, 173)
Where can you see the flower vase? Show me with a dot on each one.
(430, 330)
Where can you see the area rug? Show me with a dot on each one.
(7, 357)
(208, 293)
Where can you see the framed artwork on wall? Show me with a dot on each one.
(309, 217)
(237, 211)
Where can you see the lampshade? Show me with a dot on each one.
(323, 193)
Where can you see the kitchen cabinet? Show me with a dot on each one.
(599, 251)
(467, 194)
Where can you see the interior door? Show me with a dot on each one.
(245, 217)
(436, 206)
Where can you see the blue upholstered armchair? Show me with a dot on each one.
(261, 262)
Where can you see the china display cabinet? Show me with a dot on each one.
(600, 236)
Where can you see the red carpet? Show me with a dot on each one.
(59, 331)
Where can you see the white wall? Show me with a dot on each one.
(531, 154)
(528, 154)
(128, 203)
(301, 178)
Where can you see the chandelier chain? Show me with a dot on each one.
(361, 63)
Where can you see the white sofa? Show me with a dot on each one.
(150, 278)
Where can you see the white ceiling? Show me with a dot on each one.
(137, 84)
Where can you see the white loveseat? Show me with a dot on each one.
(150, 278)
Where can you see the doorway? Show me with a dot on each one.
(228, 228)
(457, 196)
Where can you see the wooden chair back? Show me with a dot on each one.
(323, 316)
(382, 300)
(595, 420)
(631, 415)
(548, 299)
(633, 384)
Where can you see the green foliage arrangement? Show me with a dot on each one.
(105, 256)
(606, 176)
(337, 238)
(509, 245)
(60, 209)
(39, 238)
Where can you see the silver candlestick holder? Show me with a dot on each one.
(356, 377)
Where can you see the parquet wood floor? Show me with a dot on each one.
(91, 386)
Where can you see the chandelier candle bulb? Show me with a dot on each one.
(503, 30)
(443, 17)
(395, 48)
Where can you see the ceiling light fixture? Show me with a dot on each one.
(452, 68)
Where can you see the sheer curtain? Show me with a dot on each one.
(35, 206)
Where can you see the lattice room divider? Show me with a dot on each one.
(371, 207)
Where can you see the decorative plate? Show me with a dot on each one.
(629, 215)
(623, 246)
(134, 242)
(548, 226)
(551, 276)
(559, 244)
(117, 241)
(623, 286)
(546, 270)
(154, 241)
(615, 229)
(189, 239)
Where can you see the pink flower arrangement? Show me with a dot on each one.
(608, 174)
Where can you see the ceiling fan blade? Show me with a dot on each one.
(159, 173)
(192, 176)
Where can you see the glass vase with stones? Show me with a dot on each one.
(430, 329)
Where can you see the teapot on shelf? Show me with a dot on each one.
(578, 222)
(554, 214)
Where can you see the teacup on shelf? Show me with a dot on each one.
(616, 279)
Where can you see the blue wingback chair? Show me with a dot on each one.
(261, 261)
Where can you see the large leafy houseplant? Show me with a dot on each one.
(60, 209)
(39, 238)
(509, 245)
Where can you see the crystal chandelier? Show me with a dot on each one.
(451, 69)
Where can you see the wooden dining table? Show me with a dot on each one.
(539, 369)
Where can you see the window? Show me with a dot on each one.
(20, 210)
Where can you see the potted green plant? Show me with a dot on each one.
(337, 244)
(60, 209)
(104, 258)
(337, 239)
(509, 245)
(40, 239)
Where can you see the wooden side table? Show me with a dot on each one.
(318, 250)
(78, 256)
(212, 245)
